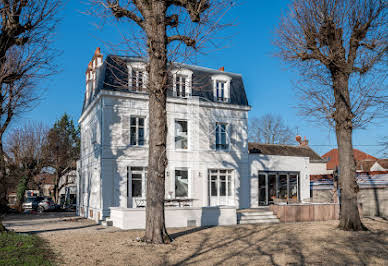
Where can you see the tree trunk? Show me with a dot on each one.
(157, 159)
(349, 215)
(3, 186)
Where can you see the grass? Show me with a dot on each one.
(24, 249)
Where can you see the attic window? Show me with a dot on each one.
(137, 76)
(182, 82)
(137, 80)
(221, 88)
(180, 86)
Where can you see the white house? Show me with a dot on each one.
(210, 172)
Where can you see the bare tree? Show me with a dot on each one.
(26, 147)
(270, 129)
(25, 58)
(340, 46)
(168, 29)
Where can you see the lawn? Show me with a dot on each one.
(24, 249)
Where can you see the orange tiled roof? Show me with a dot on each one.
(333, 162)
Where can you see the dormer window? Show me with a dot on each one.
(182, 82)
(180, 86)
(137, 80)
(221, 88)
(137, 77)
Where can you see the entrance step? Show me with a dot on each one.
(107, 222)
(256, 216)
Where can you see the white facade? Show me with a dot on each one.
(275, 163)
(207, 150)
(107, 156)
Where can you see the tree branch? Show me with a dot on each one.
(194, 7)
(120, 12)
(185, 39)
(366, 67)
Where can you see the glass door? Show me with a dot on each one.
(275, 187)
(221, 187)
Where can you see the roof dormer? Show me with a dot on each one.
(221, 87)
(137, 76)
(182, 82)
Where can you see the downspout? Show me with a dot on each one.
(101, 139)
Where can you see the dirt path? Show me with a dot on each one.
(81, 242)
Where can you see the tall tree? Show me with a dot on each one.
(26, 147)
(165, 25)
(270, 129)
(340, 46)
(26, 28)
(63, 147)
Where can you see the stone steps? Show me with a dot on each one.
(256, 216)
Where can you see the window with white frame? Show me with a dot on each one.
(181, 86)
(138, 181)
(221, 88)
(181, 139)
(220, 183)
(181, 183)
(182, 82)
(137, 131)
(137, 77)
(221, 136)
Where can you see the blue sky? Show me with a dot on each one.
(268, 82)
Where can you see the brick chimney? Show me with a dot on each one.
(92, 71)
(301, 142)
(221, 69)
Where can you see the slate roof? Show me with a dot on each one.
(284, 150)
(115, 75)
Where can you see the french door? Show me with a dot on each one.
(221, 187)
(274, 187)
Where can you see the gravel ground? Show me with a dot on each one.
(81, 242)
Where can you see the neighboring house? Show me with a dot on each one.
(45, 183)
(359, 156)
(379, 166)
(67, 186)
(372, 197)
(211, 172)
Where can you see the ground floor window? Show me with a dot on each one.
(181, 183)
(278, 187)
(138, 177)
(220, 183)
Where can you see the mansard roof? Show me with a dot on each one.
(115, 76)
(284, 150)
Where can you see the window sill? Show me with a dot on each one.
(183, 150)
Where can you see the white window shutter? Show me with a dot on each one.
(231, 137)
(125, 129)
(212, 135)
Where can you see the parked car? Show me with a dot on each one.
(46, 204)
(30, 204)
